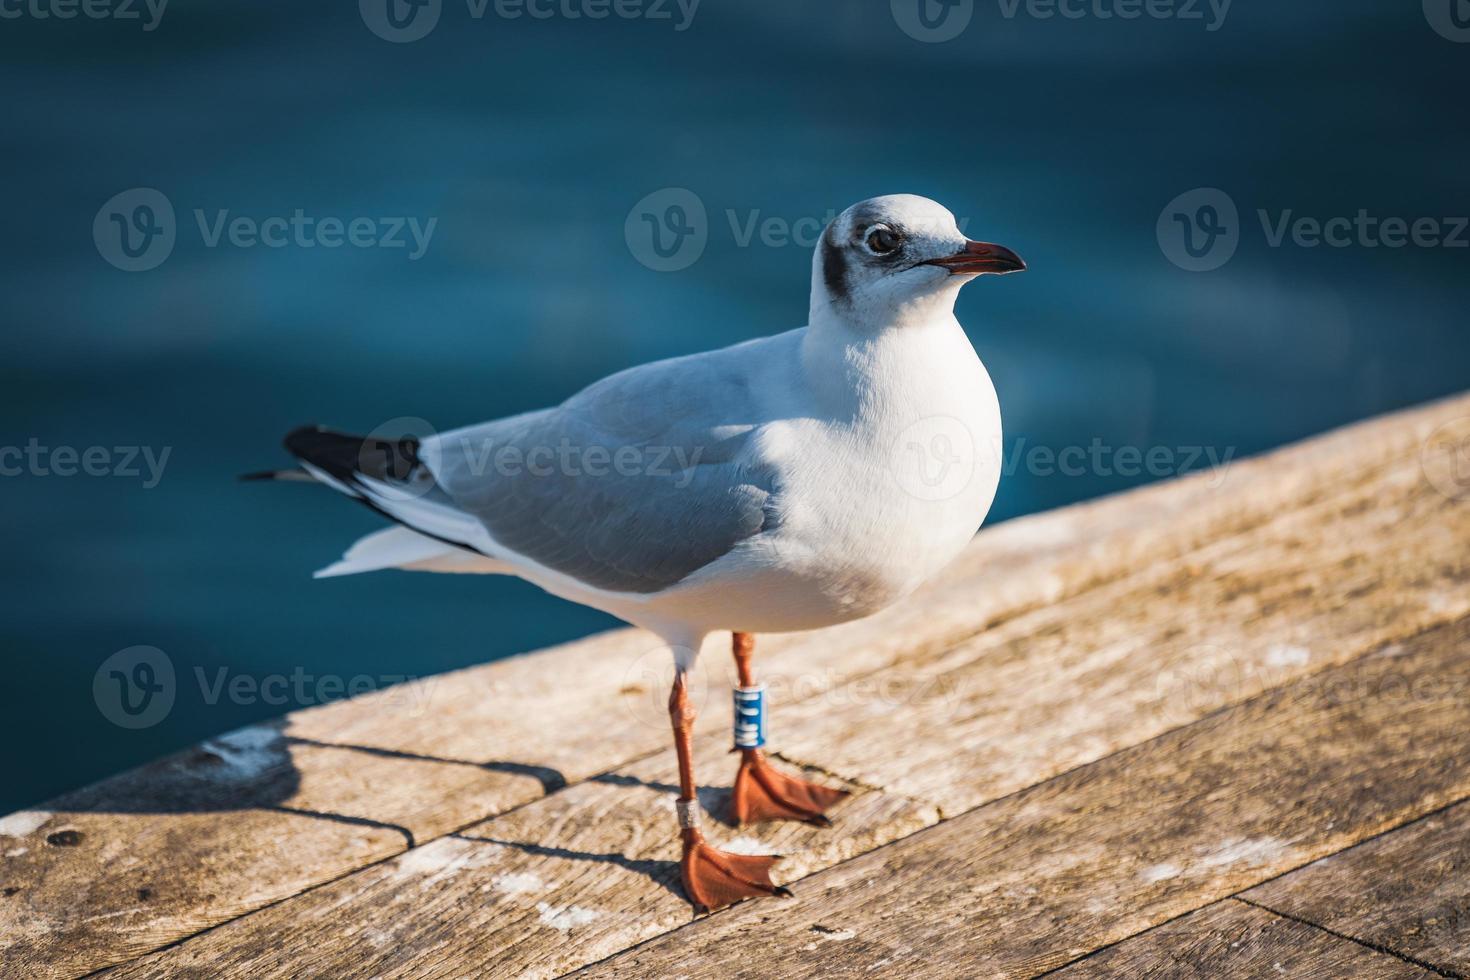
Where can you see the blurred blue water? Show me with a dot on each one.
(530, 140)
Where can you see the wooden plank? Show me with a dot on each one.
(1232, 939)
(1123, 662)
(382, 769)
(524, 895)
(1407, 891)
(1044, 683)
(1099, 854)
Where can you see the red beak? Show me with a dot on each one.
(980, 257)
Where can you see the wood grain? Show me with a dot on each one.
(532, 893)
(305, 801)
(1123, 662)
(1407, 891)
(577, 846)
(1232, 939)
(1101, 853)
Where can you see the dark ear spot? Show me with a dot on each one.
(834, 268)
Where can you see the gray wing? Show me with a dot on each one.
(630, 485)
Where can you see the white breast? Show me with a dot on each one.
(874, 501)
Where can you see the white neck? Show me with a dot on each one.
(850, 358)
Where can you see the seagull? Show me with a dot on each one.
(790, 482)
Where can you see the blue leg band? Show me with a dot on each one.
(750, 717)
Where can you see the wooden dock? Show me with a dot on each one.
(1203, 728)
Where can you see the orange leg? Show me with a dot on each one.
(763, 792)
(712, 878)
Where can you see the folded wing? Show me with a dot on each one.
(627, 487)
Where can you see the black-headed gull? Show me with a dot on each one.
(785, 483)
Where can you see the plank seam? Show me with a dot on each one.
(100, 971)
(1237, 895)
(1358, 843)
(1360, 658)
(1365, 943)
(1142, 932)
(1238, 528)
(943, 816)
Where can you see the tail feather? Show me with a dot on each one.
(388, 476)
(392, 547)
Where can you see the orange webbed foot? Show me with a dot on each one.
(763, 792)
(714, 879)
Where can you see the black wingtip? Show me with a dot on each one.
(260, 475)
(301, 437)
(345, 457)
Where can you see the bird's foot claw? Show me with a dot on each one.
(763, 792)
(715, 878)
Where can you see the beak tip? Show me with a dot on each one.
(979, 258)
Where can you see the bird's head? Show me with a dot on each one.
(891, 258)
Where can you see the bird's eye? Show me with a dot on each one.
(882, 240)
